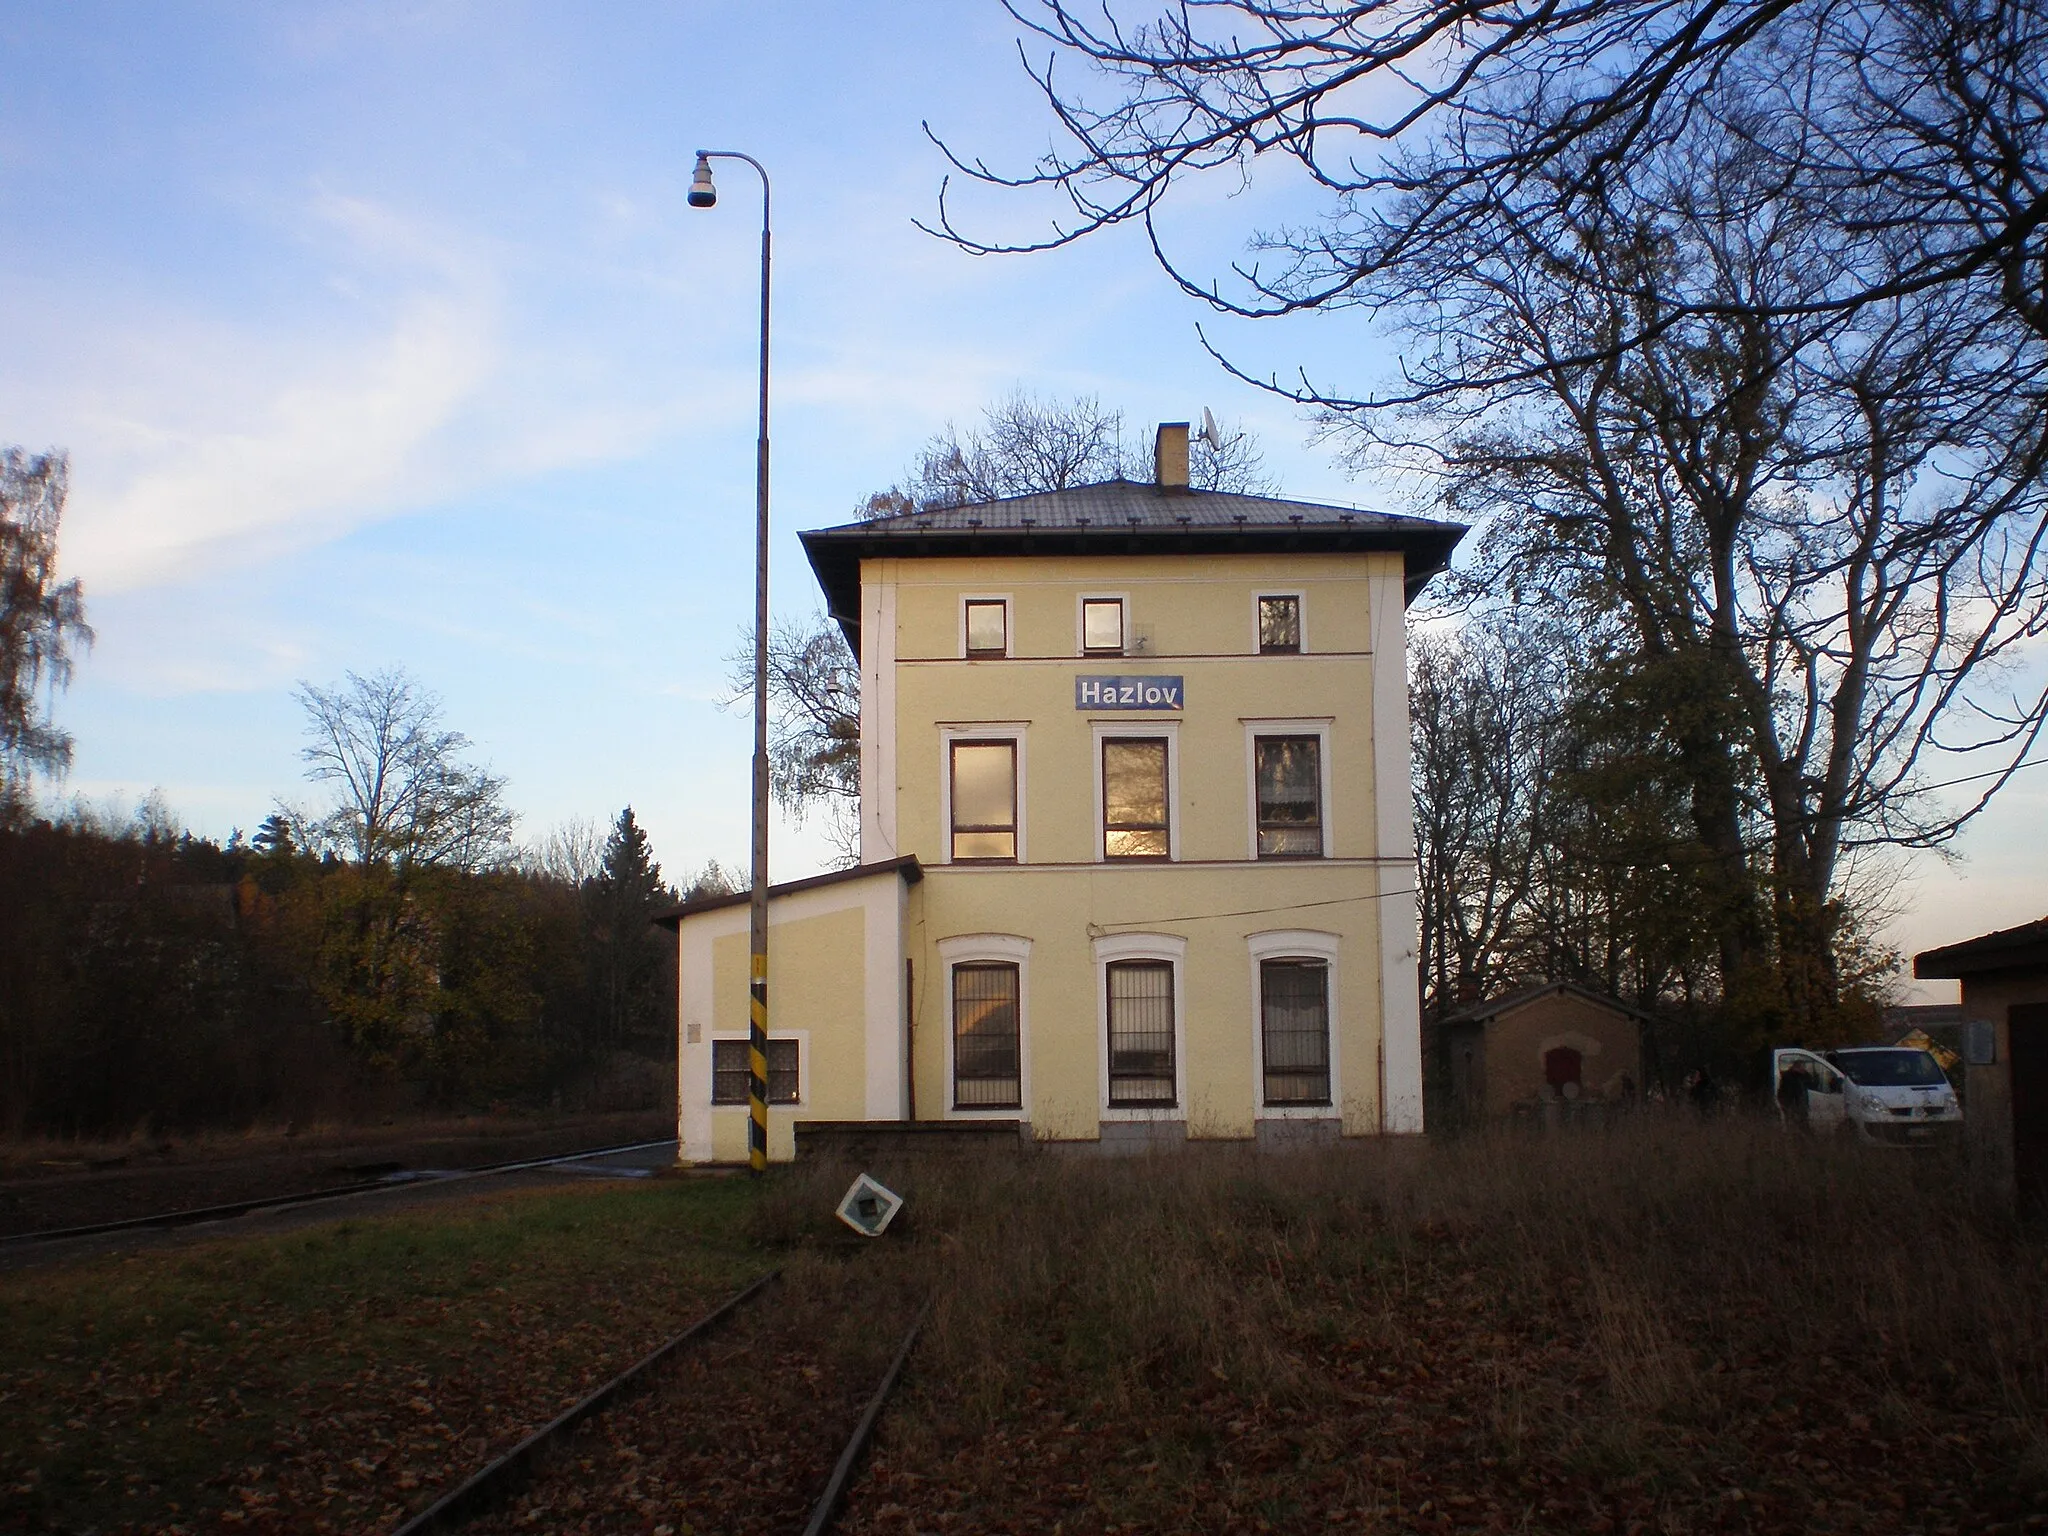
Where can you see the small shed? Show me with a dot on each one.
(2005, 1053)
(1555, 1042)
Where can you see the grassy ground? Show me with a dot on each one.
(1666, 1327)
(328, 1380)
(1669, 1327)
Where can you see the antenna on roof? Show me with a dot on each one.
(1210, 434)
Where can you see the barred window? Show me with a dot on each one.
(1290, 786)
(986, 1054)
(1141, 1068)
(1134, 794)
(1294, 1025)
(729, 1072)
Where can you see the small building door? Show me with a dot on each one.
(1561, 1067)
(2027, 1029)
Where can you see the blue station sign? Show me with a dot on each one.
(1129, 693)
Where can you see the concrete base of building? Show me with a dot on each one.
(866, 1140)
(1299, 1135)
(1127, 1138)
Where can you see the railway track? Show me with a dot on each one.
(549, 1456)
(196, 1214)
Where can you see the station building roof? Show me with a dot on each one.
(1120, 517)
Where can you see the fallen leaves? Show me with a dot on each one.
(318, 1395)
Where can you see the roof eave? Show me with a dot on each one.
(906, 866)
(836, 554)
(2008, 949)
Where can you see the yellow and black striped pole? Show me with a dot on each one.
(757, 1065)
(704, 195)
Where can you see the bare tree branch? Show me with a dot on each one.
(402, 793)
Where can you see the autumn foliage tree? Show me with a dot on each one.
(41, 619)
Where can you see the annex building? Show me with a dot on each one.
(1137, 857)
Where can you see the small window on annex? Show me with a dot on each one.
(988, 627)
(1141, 1068)
(984, 800)
(1279, 625)
(1294, 1031)
(729, 1072)
(1102, 626)
(1134, 795)
(1288, 770)
(986, 1058)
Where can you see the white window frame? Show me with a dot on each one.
(1317, 726)
(995, 730)
(1008, 948)
(1293, 944)
(1300, 596)
(1009, 627)
(1081, 602)
(802, 1037)
(1164, 730)
(1142, 946)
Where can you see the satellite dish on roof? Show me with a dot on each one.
(1210, 434)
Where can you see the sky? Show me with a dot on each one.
(381, 335)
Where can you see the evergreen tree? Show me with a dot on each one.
(628, 954)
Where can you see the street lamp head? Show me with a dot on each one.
(702, 193)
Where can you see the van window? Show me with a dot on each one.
(1889, 1068)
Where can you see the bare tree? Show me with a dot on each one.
(572, 852)
(1483, 710)
(1550, 824)
(1919, 128)
(813, 725)
(403, 795)
(714, 879)
(41, 618)
(1820, 530)
(1028, 443)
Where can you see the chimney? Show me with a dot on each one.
(1170, 456)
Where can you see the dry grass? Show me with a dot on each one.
(1666, 1327)
(1671, 1324)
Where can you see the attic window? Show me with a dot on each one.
(1102, 626)
(987, 627)
(1279, 625)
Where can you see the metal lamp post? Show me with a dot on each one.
(704, 195)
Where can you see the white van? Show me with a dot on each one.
(1890, 1093)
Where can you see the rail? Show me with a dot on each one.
(196, 1214)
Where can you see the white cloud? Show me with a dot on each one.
(200, 441)
(334, 443)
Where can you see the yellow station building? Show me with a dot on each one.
(1137, 855)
